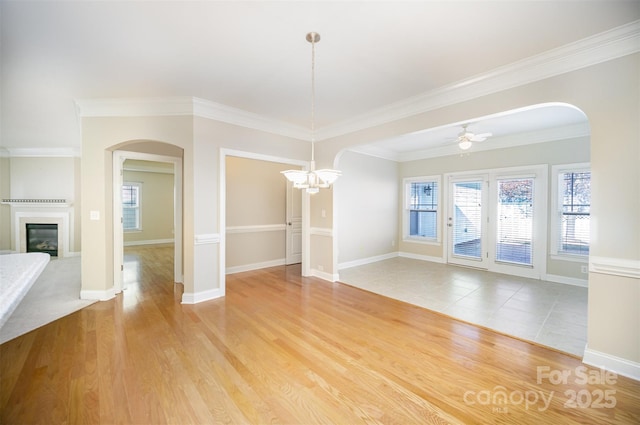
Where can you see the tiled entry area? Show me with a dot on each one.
(551, 314)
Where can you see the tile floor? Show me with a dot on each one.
(551, 314)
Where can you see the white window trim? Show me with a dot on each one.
(406, 188)
(556, 170)
(139, 186)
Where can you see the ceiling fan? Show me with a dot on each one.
(466, 138)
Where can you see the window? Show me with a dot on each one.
(573, 206)
(131, 195)
(421, 208)
(514, 225)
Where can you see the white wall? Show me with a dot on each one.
(366, 203)
(45, 178)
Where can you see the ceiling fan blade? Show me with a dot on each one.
(480, 137)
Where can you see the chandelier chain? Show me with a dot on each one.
(312, 180)
(313, 95)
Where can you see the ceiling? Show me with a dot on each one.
(253, 56)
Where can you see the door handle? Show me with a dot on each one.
(289, 223)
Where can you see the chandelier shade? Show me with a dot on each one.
(312, 180)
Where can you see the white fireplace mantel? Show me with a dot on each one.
(25, 211)
(37, 203)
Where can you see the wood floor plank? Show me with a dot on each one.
(280, 348)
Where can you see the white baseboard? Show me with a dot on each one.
(255, 266)
(198, 297)
(567, 280)
(149, 242)
(324, 275)
(97, 295)
(421, 257)
(369, 260)
(621, 366)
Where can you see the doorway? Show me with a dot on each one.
(256, 207)
(120, 219)
(496, 220)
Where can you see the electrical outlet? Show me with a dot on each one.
(320, 268)
(584, 269)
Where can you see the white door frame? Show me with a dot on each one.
(118, 235)
(540, 223)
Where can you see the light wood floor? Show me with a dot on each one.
(284, 349)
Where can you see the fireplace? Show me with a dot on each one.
(42, 237)
(54, 224)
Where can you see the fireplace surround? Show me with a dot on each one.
(57, 212)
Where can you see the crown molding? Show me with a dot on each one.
(43, 152)
(184, 105)
(606, 46)
(216, 111)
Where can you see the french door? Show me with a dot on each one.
(467, 221)
(497, 221)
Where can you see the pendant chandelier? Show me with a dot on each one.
(312, 180)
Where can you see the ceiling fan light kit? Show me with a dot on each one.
(464, 145)
(466, 138)
(312, 180)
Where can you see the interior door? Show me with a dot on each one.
(294, 225)
(467, 221)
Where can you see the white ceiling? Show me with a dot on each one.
(253, 56)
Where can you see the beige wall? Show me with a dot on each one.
(255, 197)
(5, 210)
(100, 137)
(201, 140)
(157, 204)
